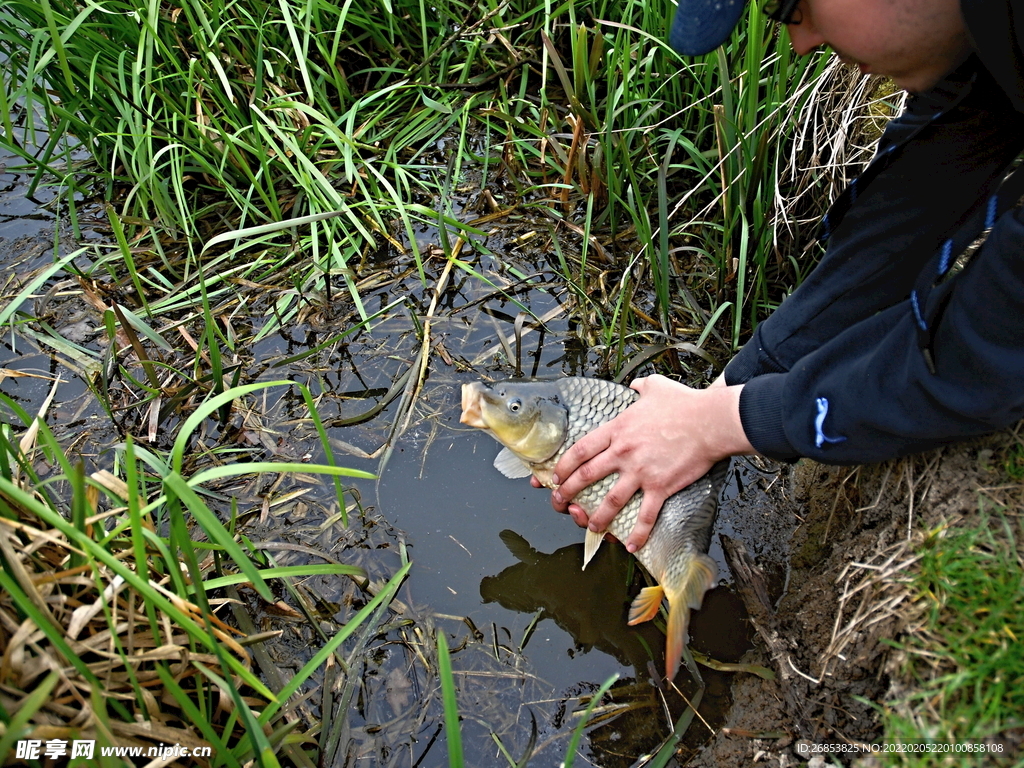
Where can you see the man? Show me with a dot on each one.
(887, 349)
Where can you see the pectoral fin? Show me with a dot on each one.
(645, 606)
(590, 545)
(519, 547)
(511, 465)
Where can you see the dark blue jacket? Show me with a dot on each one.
(839, 372)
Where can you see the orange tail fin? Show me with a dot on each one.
(688, 592)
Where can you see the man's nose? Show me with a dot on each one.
(804, 37)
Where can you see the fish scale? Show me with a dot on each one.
(593, 402)
(538, 421)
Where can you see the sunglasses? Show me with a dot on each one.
(782, 11)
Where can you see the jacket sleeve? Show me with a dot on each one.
(867, 395)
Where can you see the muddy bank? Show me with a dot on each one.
(847, 594)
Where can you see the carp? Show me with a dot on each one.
(538, 420)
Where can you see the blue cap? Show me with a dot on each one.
(701, 26)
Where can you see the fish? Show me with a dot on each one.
(539, 420)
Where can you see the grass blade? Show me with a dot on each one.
(452, 727)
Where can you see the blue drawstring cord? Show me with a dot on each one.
(820, 438)
(991, 212)
(947, 254)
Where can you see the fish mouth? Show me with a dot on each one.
(472, 395)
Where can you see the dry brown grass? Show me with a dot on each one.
(103, 643)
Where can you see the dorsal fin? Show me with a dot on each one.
(511, 465)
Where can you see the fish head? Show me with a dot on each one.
(527, 417)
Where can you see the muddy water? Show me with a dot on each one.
(494, 567)
(19, 216)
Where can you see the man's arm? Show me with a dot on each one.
(868, 395)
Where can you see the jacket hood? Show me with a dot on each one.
(997, 27)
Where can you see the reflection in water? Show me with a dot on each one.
(592, 607)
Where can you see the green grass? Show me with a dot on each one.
(137, 548)
(1013, 463)
(311, 129)
(967, 662)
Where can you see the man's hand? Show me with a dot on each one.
(663, 442)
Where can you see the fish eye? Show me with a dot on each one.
(515, 404)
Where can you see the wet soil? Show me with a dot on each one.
(827, 635)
